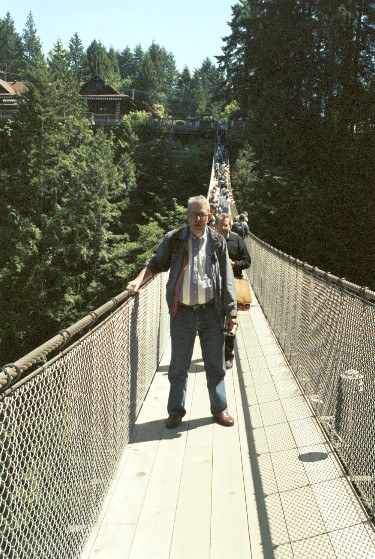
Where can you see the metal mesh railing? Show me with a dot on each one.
(326, 328)
(64, 428)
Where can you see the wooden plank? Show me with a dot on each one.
(155, 526)
(229, 530)
(191, 534)
(256, 549)
(117, 530)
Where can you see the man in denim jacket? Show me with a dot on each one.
(201, 298)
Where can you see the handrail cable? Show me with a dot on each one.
(11, 372)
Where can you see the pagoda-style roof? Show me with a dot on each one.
(98, 88)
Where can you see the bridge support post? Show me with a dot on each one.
(349, 388)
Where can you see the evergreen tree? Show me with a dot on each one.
(180, 102)
(10, 50)
(64, 80)
(170, 71)
(56, 214)
(301, 74)
(77, 59)
(189, 98)
(114, 76)
(213, 86)
(126, 63)
(58, 61)
(235, 63)
(198, 97)
(165, 67)
(148, 82)
(99, 62)
(32, 47)
(138, 55)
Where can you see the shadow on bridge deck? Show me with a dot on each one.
(270, 487)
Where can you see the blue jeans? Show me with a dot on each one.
(184, 327)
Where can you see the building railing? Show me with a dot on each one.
(186, 125)
(99, 119)
(326, 328)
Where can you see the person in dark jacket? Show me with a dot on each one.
(240, 226)
(240, 260)
(201, 298)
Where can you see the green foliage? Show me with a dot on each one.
(77, 59)
(148, 82)
(231, 111)
(80, 211)
(58, 61)
(32, 46)
(134, 128)
(301, 74)
(162, 166)
(56, 218)
(244, 178)
(126, 63)
(101, 62)
(150, 75)
(189, 98)
(11, 56)
(176, 216)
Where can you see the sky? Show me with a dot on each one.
(191, 29)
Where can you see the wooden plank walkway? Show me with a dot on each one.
(268, 488)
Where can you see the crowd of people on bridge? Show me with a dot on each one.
(234, 231)
(220, 194)
(203, 257)
(220, 197)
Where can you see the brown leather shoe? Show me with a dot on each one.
(224, 419)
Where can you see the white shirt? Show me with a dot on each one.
(224, 202)
(196, 286)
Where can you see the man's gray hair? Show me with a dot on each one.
(202, 200)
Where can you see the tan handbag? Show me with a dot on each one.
(243, 294)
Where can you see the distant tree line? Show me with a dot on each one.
(151, 75)
(301, 74)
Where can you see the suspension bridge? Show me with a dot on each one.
(88, 469)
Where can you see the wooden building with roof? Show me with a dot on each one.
(106, 105)
(9, 96)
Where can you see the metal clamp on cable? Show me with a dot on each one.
(131, 291)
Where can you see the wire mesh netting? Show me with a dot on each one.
(64, 428)
(325, 327)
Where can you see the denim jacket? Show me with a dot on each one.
(172, 255)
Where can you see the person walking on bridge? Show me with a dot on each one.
(240, 260)
(201, 298)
